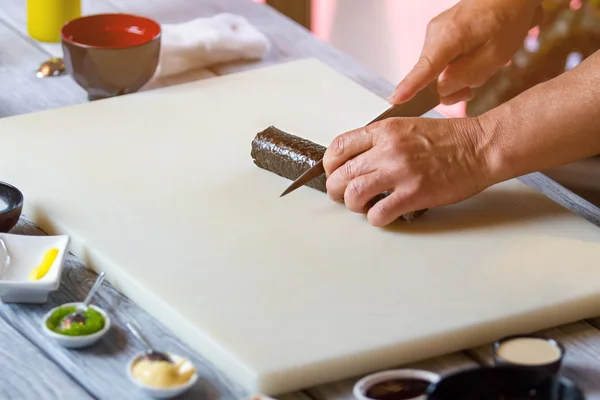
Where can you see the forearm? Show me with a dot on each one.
(551, 124)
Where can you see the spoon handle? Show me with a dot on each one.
(6, 261)
(138, 336)
(93, 289)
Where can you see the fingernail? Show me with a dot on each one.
(445, 88)
(398, 96)
(392, 97)
(400, 93)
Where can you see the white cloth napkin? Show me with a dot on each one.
(206, 41)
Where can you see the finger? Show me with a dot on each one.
(391, 208)
(470, 71)
(347, 146)
(361, 190)
(464, 94)
(338, 181)
(431, 63)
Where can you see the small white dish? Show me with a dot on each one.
(162, 393)
(24, 254)
(362, 386)
(75, 342)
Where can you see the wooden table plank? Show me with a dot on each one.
(15, 14)
(101, 368)
(22, 91)
(582, 178)
(24, 366)
(563, 196)
(298, 10)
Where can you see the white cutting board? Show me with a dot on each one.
(159, 190)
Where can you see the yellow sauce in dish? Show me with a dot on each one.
(162, 374)
(41, 270)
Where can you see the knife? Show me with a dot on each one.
(424, 101)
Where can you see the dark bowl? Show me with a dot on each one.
(552, 367)
(111, 54)
(9, 215)
(506, 383)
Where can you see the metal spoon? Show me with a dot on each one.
(77, 316)
(151, 354)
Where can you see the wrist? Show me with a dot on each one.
(541, 128)
(492, 155)
(473, 138)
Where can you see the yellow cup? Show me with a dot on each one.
(45, 18)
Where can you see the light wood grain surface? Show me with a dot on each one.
(34, 366)
(24, 366)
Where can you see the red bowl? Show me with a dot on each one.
(111, 54)
(110, 31)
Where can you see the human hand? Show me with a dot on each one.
(466, 44)
(421, 162)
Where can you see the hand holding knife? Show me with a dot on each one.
(424, 101)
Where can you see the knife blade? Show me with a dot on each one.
(424, 101)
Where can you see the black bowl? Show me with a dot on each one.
(506, 383)
(9, 216)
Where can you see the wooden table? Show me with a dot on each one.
(34, 368)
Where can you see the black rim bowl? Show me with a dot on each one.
(552, 367)
(504, 382)
(14, 199)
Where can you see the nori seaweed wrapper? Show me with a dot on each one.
(287, 155)
(290, 156)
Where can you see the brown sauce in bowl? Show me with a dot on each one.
(398, 389)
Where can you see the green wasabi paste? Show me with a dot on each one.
(94, 322)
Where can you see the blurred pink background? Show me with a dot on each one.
(384, 35)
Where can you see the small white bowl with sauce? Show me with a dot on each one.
(529, 351)
(163, 392)
(19, 255)
(413, 382)
(79, 341)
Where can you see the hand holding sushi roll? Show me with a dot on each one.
(419, 161)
